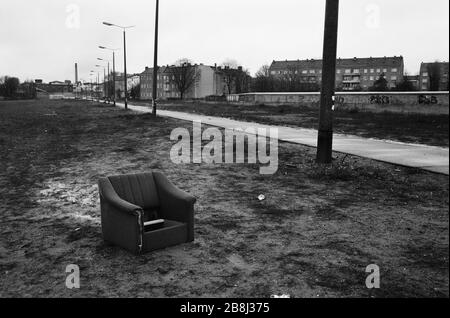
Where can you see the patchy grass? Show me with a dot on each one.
(313, 235)
(411, 128)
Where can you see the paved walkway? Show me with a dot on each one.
(435, 159)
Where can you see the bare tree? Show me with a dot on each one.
(236, 78)
(264, 71)
(9, 86)
(183, 75)
(229, 74)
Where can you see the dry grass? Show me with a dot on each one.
(315, 233)
(412, 128)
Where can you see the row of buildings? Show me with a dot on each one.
(209, 81)
(206, 81)
(353, 74)
(362, 73)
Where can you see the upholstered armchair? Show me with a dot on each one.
(130, 202)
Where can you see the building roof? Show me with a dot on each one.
(443, 65)
(353, 62)
(163, 69)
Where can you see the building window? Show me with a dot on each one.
(366, 71)
(425, 74)
(339, 71)
(384, 70)
(372, 78)
(304, 72)
(394, 70)
(356, 71)
(312, 72)
(425, 80)
(393, 78)
(372, 70)
(378, 70)
(348, 71)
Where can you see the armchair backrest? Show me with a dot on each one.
(138, 189)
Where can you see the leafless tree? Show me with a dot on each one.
(236, 78)
(183, 75)
(264, 71)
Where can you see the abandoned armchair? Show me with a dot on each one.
(145, 212)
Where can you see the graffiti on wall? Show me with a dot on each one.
(379, 99)
(427, 99)
(339, 101)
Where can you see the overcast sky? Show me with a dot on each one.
(44, 38)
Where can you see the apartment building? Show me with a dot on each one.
(132, 81)
(430, 72)
(210, 81)
(351, 74)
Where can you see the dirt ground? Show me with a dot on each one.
(313, 235)
(412, 128)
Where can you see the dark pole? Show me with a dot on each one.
(114, 78)
(325, 138)
(125, 67)
(104, 84)
(155, 64)
(108, 93)
(98, 83)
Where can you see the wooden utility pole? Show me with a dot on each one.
(125, 79)
(325, 138)
(155, 62)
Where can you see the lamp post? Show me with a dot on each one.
(155, 64)
(98, 77)
(125, 79)
(92, 73)
(114, 70)
(325, 137)
(105, 80)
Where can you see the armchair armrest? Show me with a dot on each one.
(108, 194)
(175, 204)
(121, 221)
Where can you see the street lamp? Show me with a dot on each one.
(92, 73)
(124, 28)
(114, 70)
(105, 87)
(98, 79)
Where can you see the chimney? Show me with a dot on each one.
(76, 74)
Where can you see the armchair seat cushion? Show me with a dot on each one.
(173, 233)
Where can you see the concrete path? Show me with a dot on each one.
(434, 159)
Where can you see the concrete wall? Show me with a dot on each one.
(399, 102)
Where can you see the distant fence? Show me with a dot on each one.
(399, 102)
(60, 96)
